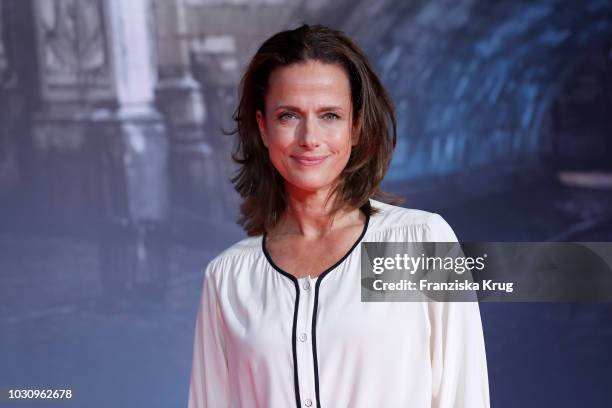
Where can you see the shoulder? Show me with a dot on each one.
(243, 251)
(424, 224)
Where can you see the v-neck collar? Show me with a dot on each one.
(326, 271)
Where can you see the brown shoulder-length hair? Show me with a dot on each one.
(257, 181)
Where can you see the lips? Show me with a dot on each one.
(309, 160)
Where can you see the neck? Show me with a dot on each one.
(307, 214)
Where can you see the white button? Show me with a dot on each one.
(308, 402)
(306, 285)
(303, 337)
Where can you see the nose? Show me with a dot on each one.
(308, 133)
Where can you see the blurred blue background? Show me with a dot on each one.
(114, 173)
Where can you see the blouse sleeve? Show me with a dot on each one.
(208, 387)
(457, 349)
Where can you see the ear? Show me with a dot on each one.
(261, 123)
(356, 130)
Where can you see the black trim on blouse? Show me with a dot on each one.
(295, 315)
(314, 313)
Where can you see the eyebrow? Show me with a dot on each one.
(321, 109)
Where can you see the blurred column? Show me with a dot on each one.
(179, 95)
(18, 92)
(9, 171)
(193, 170)
(100, 141)
(143, 132)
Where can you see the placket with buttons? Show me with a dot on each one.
(303, 340)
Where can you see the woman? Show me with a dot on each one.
(280, 322)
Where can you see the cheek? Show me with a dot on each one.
(341, 142)
(279, 149)
(280, 138)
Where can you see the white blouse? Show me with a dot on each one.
(264, 338)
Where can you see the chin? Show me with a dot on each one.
(309, 184)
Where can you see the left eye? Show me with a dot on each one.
(330, 116)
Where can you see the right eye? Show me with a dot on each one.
(286, 116)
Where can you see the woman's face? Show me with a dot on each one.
(307, 126)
